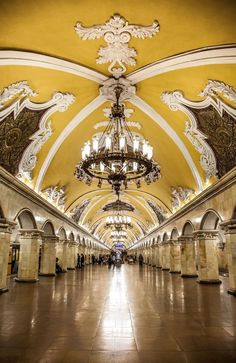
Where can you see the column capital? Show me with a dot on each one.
(185, 239)
(174, 242)
(229, 226)
(30, 233)
(205, 234)
(6, 226)
(50, 238)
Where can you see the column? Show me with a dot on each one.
(48, 257)
(71, 257)
(165, 256)
(61, 253)
(5, 232)
(208, 268)
(230, 234)
(187, 256)
(158, 256)
(175, 265)
(29, 255)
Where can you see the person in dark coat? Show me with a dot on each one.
(82, 260)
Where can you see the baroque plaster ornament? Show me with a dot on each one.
(77, 212)
(214, 87)
(109, 88)
(59, 102)
(180, 195)
(176, 102)
(19, 89)
(55, 195)
(117, 33)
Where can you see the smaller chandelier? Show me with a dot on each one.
(118, 233)
(118, 222)
(118, 156)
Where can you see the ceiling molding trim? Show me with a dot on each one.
(146, 108)
(20, 58)
(85, 112)
(224, 54)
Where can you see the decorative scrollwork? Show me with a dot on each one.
(117, 33)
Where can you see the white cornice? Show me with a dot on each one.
(223, 54)
(87, 110)
(19, 58)
(154, 115)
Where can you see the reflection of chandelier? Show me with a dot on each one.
(117, 156)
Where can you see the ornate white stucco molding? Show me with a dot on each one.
(176, 101)
(18, 89)
(59, 102)
(108, 89)
(214, 87)
(55, 195)
(117, 33)
(127, 112)
(180, 196)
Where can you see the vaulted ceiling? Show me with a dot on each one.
(195, 44)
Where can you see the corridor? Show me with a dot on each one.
(125, 315)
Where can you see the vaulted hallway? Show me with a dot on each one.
(126, 315)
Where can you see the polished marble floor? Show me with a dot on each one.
(125, 315)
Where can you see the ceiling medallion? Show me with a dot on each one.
(117, 156)
(117, 33)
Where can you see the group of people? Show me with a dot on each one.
(113, 259)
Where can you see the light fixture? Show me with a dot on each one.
(118, 233)
(118, 222)
(117, 156)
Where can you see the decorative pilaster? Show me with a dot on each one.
(208, 268)
(175, 263)
(230, 234)
(165, 256)
(71, 263)
(61, 253)
(187, 256)
(5, 232)
(48, 259)
(29, 255)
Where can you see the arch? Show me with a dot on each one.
(174, 234)
(48, 228)
(71, 236)
(210, 220)
(62, 234)
(234, 213)
(26, 219)
(165, 237)
(187, 229)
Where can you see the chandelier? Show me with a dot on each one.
(117, 156)
(118, 222)
(118, 233)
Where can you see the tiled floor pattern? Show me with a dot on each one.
(125, 315)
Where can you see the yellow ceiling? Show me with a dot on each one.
(47, 28)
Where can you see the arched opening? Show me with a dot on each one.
(174, 234)
(234, 214)
(62, 234)
(1, 213)
(71, 237)
(26, 220)
(210, 221)
(48, 228)
(165, 237)
(187, 229)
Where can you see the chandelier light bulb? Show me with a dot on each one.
(135, 166)
(83, 154)
(108, 142)
(135, 144)
(150, 152)
(95, 144)
(87, 148)
(122, 142)
(102, 166)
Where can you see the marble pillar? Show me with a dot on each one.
(48, 256)
(175, 264)
(230, 235)
(158, 256)
(165, 256)
(208, 267)
(5, 232)
(71, 256)
(29, 255)
(187, 256)
(61, 253)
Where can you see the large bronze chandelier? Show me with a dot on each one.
(118, 156)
